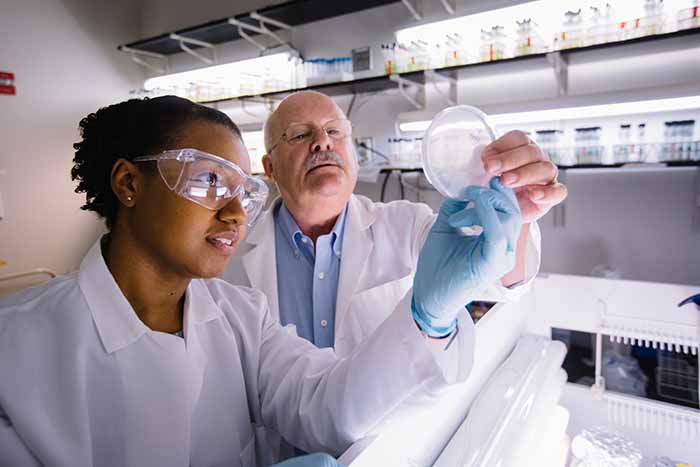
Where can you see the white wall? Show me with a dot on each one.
(64, 56)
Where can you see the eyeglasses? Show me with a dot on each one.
(302, 133)
(209, 180)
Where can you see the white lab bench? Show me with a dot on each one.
(641, 313)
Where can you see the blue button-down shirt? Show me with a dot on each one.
(307, 278)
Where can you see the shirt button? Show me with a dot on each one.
(324, 323)
(321, 275)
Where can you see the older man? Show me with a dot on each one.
(334, 264)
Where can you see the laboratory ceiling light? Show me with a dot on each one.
(577, 113)
(274, 65)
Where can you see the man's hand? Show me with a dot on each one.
(452, 267)
(523, 166)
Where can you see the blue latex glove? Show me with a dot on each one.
(311, 460)
(453, 267)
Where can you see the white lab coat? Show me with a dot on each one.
(83, 382)
(381, 245)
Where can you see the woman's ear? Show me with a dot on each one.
(125, 180)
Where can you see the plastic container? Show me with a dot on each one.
(678, 142)
(456, 51)
(529, 40)
(588, 149)
(689, 17)
(388, 52)
(651, 23)
(452, 146)
(624, 147)
(550, 142)
(493, 44)
(602, 29)
(572, 34)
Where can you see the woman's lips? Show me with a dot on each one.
(224, 242)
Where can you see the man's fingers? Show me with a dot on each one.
(500, 162)
(548, 194)
(536, 173)
(510, 140)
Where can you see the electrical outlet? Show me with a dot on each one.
(361, 59)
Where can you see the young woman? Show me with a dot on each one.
(137, 359)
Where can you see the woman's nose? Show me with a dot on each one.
(233, 212)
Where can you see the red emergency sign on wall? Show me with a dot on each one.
(7, 83)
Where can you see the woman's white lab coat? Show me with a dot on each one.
(83, 382)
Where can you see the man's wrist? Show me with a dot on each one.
(427, 325)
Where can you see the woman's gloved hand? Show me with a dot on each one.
(453, 267)
(311, 460)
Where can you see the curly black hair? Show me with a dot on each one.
(133, 128)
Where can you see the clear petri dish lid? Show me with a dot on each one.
(452, 148)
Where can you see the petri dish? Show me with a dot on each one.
(452, 148)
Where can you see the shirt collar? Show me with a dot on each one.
(115, 319)
(293, 233)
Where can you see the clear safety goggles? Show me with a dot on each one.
(209, 180)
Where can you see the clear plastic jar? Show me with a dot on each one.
(588, 149)
(601, 29)
(624, 147)
(572, 31)
(493, 44)
(529, 40)
(689, 17)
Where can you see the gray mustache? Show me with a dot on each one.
(322, 157)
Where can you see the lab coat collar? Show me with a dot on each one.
(359, 241)
(265, 225)
(361, 211)
(115, 319)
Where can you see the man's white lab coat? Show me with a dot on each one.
(83, 382)
(381, 245)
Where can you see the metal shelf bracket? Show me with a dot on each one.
(403, 83)
(184, 45)
(450, 6)
(261, 28)
(241, 26)
(433, 76)
(413, 8)
(137, 54)
(560, 64)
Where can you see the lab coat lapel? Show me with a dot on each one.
(199, 308)
(357, 247)
(260, 262)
